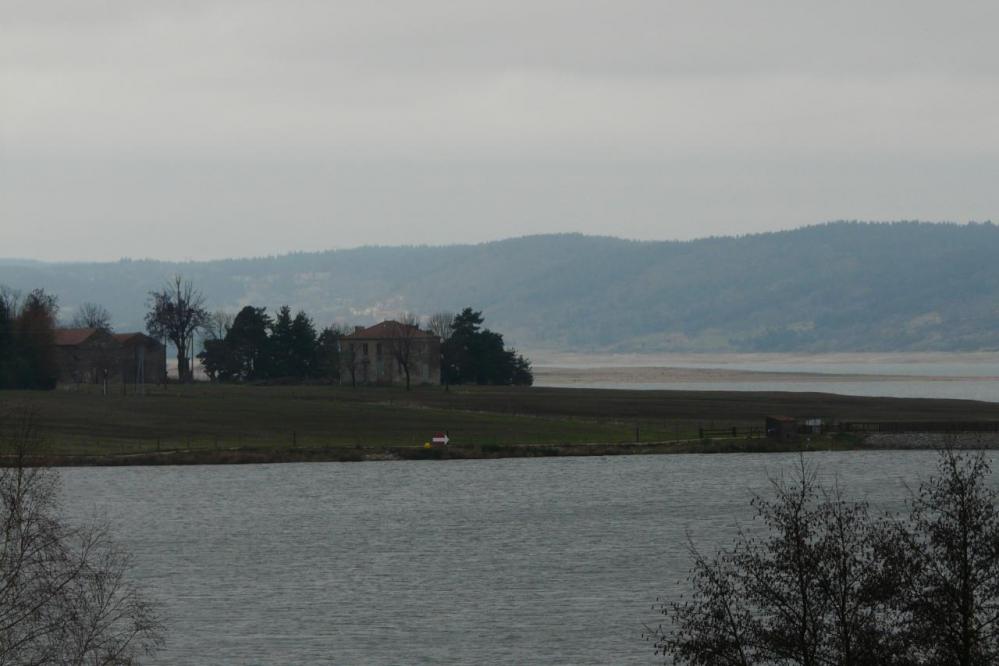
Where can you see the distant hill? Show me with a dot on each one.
(843, 286)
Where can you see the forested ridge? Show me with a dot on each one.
(843, 286)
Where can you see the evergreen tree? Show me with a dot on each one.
(35, 363)
(303, 347)
(522, 374)
(217, 360)
(258, 348)
(282, 344)
(476, 355)
(249, 345)
(8, 313)
(328, 354)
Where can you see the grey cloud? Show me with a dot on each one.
(222, 128)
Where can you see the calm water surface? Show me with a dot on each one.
(544, 561)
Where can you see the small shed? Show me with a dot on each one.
(782, 428)
(814, 425)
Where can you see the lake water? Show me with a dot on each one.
(519, 561)
(972, 376)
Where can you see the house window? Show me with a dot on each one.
(364, 348)
(378, 349)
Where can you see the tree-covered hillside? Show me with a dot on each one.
(832, 287)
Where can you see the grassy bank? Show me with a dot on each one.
(486, 452)
(206, 423)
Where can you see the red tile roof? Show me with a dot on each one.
(137, 338)
(128, 337)
(389, 330)
(71, 337)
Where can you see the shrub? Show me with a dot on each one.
(831, 583)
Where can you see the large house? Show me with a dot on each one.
(91, 355)
(381, 354)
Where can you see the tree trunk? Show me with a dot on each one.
(182, 361)
(967, 596)
(182, 368)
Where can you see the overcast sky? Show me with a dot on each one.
(217, 128)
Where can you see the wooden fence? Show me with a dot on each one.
(733, 432)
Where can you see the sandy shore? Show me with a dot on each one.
(568, 376)
(683, 360)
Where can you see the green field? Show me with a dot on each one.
(209, 417)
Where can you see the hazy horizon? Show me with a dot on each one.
(32, 260)
(253, 128)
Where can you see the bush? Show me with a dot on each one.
(65, 597)
(831, 583)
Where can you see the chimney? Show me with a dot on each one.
(358, 329)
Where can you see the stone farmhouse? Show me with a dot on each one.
(88, 355)
(377, 355)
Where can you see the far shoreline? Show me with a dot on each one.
(914, 441)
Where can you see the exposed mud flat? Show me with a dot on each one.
(552, 375)
(831, 360)
(555, 375)
(969, 376)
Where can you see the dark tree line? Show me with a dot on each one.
(471, 354)
(255, 347)
(27, 340)
(252, 346)
(831, 583)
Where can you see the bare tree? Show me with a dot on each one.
(945, 557)
(92, 315)
(65, 597)
(405, 330)
(218, 325)
(802, 594)
(350, 360)
(441, 324)
(828, 583)
(176, 313)
(10, 300)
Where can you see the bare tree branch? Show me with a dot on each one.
(176, 313)
(65, 597)
(92, 315)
